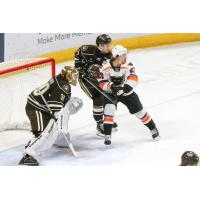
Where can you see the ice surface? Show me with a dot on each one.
(169, 88)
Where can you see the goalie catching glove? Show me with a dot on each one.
(74, 105)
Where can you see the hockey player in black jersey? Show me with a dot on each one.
(118, 79)
(48, 109)
(88, 60)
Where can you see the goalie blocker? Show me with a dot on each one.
(53, 98)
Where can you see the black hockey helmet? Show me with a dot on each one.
(103, 39)
(189, 158)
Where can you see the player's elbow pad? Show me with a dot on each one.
(132, 83)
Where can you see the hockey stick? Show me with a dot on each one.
(47, 105)
(103, 93)
(67, 138)
(70, 145)
(52, 115)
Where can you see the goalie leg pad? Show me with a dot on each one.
(44, 141)
(52, 131)
(61, 141)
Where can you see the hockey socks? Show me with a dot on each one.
(98, 113)
(108, 125)
(149, 123)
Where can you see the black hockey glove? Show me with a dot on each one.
(94, 71)
(127, 88)
(81, 71)
(117, 90)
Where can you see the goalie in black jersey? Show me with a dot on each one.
(88, 60)
(48, 109)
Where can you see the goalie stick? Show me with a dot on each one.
(67, 137)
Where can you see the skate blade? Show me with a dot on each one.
(100, 134)
(103, 135)
(60, 146)
(28, 165)
(157, 139)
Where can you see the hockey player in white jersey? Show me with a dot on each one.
(48, 109)
(119, 80)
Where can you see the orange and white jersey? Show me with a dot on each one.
(126, 73)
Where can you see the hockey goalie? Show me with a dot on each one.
(48, 109)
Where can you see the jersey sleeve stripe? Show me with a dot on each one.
(104, 85)
(133, 78)
(107, 68)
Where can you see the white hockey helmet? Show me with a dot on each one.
(119, 50)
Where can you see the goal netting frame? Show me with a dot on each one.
(12, 101)
(26, 64)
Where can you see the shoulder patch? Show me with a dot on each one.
(66, 87)
(84, 48)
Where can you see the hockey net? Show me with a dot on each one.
(18, 79)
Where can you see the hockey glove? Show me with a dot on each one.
(127, 88)
(117, 90)
(94, 71)
(74, 105)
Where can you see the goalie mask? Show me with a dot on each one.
(70, 74)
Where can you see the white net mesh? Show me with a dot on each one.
(14, 89)
(15, 63)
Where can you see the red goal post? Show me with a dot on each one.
(27, 64)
